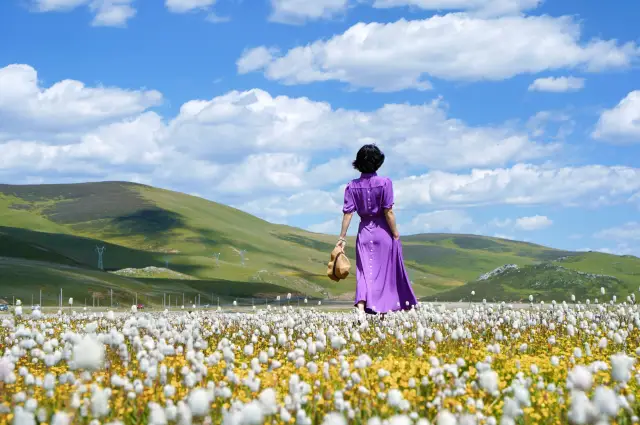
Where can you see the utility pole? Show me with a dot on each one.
(60, 297)
(100, 251)
(183, 298)
(111, 297)
(40, 297)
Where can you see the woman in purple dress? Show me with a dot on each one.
(382, 280)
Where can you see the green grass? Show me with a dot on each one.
(142, 226)
(546, 282)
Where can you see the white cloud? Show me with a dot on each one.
(536, 222)
(622, 123)
(183, 6)
(482, 7)
(279, 208)
(544, 122)
(334, 226)
(438, 221)
(255, 58)
(496, 222)
(299, 11)
(418, 135)
(402, 54)
(65, 105)
(627, 231)
(110, 13)
(557, 85)
(522, 184)
(71, 132)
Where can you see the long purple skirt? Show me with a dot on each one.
(382, 279)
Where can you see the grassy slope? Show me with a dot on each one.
(139, 225)
(546, 282)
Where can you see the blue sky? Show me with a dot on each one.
(517, 118)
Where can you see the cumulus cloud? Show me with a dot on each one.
(481, 7)
(301, 151)
(418, 135)
(26, 107)
(404, 54)
(439, 221)
(299, 11)
(111, 13)
(522, 184)
(557, 85)
(536, 222)
(621, 123)
(627, 231)
(279, 208)
(183, 6)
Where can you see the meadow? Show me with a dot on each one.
(550, 363)
(49, 236)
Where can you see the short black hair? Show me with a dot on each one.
(368, 159)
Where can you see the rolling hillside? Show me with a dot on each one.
(48, 232)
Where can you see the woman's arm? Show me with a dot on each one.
(346, 220)
(391, 221)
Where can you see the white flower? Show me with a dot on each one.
(199, 402)
(602, 291)
(157, 415)
(394, 398)
(621, 365)
(60, 418)
(445, 418)
(334, 418)
(488, 381)
(605, 401)
(100, 403)
(134, 308)
(473, 292)
(70, 301)
(580, 378)
(88, 354)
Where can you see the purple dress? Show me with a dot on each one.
(382, 280)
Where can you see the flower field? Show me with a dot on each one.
(546, 364)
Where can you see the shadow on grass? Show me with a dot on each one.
(81, 251)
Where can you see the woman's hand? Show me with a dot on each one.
(341, 243)
(396, 236)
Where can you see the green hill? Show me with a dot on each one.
(49, 228)
(546, 282)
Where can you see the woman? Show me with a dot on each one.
(382, 281)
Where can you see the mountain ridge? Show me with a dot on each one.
(144, 226)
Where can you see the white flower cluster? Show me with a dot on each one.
(336, 360)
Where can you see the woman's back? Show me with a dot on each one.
(368, 195)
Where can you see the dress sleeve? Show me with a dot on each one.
(349, 204)
(387, 195)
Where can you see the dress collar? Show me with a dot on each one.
(367, 175)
